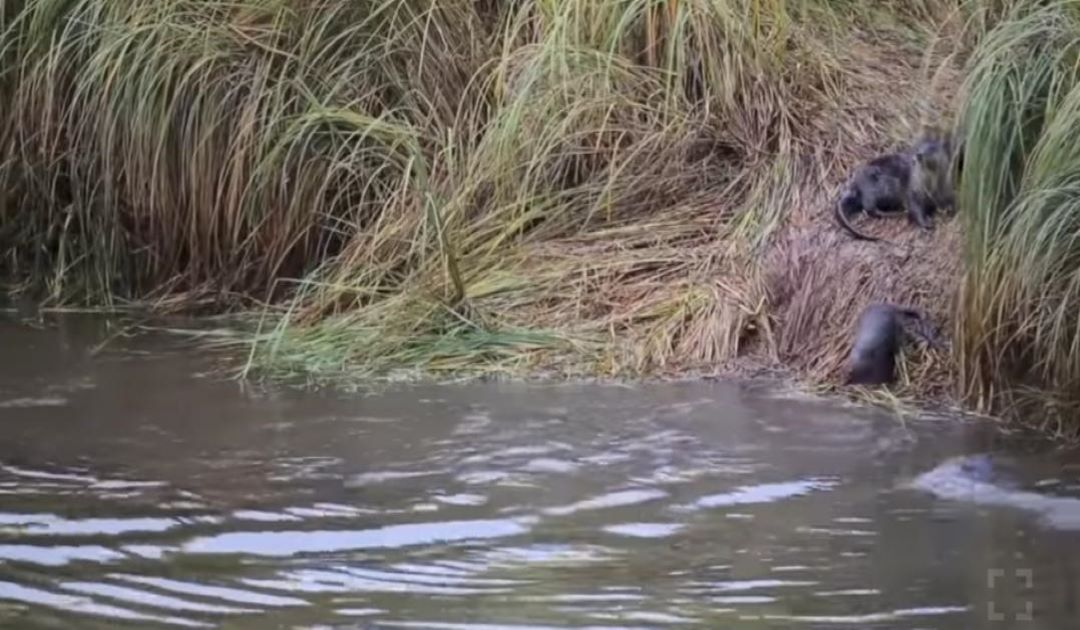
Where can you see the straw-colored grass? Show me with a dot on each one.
(427, 184)
(573, 187)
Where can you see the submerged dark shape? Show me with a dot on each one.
(878, 334)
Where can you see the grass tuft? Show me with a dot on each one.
(1018, 332)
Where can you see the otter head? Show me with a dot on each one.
(931, 153)
(933, 158)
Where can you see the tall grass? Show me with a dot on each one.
(409, 173)
(1018, 328)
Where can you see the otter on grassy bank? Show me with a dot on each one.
(879, 186)
(918, 181)
(878, 335)
(931, 186)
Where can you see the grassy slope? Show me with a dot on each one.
(581, 187)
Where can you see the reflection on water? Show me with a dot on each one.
(138, 493)
(291, 543)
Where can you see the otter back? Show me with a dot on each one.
(879, 332)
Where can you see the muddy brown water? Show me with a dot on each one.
(138, 491)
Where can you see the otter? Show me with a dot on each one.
(877, 187)
(918, 181)
(931, 187)
(878, 335)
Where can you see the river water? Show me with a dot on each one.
(138, 490)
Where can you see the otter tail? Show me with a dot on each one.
(847, 203)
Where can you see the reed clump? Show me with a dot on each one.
(582, 187)
(1018, 331)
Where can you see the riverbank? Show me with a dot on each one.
(576, 189)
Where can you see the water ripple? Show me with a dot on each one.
(229, 594)
(289, 543)
(59, 555)
(143, 597)
(614, 499)
(53, 525)
(86, 606)
(764, 493)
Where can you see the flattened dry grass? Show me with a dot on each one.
(654, 263)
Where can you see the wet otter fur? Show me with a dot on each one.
(918, 181)
(878, 334)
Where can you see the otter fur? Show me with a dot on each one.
(877, 187)
(879, 333)
(918, 181)
(931, 186)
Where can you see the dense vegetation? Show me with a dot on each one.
(576, 186)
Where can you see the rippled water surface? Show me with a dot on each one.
(135, 491)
